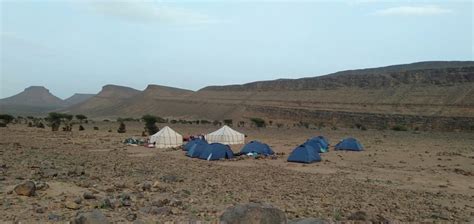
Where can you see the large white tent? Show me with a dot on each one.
(166, 138)
(226, 135)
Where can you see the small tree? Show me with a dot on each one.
(228, 122)
(81, 117)
(121, 128)
(259, 122)
(150, 125)
(6, 118)
(81, 128)
(54, 120)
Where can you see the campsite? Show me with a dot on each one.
(399, 176)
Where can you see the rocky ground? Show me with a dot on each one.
(402, 176)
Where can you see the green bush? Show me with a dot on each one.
(228, 122)
(399, 128)
(150, 125)
(259, 122)
(6, 118)
(121, 128)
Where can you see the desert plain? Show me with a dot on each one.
(402, 176)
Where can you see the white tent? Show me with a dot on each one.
(166, 138)
(226, 135)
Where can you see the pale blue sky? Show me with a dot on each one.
(79, 46)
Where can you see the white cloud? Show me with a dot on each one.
(426, 10)
(147, 11)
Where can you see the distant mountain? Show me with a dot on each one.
(432, 72)
(107, 99)
(34, 96)
(425, 95)
(425, 88)
(77, 98)
(37, 100)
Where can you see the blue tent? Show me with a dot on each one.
(193, 142)
(304, 154)
(216, 151)
(316, 144)
(319, 143)
(257, 147)
(196, 149)
(324, 139)
(350, 144)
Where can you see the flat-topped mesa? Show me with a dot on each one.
(34, 96)
(165, 91)
(116, 91)
(423, 73)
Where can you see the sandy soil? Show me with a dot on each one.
(402, 176)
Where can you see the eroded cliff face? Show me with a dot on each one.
(428, 98)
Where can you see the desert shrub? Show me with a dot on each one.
(30, 124)
(216, 123)
(303, 124)
(150, 125)
(241, 124)
(54, 120)
(259, 122)
(110, 130)
(360, 127)
(399, 128)
(96, 128)
(106, 120)
(81, 117)
(279, 125)
(6, 118)
(228, 122)
(30, 117)
(160, 120)
(81, 128)
(173, 121)
(40, 125)
(205, 122)
(121, 128)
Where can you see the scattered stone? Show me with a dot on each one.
(40, 209)
(72, 205)
(358, 216)
(146, 186)
(27, 188)
(78, 200)
(89, 195)
(154, 210)
(175, 202)
(131, 217)
(171, 179)
(54, 217)
(92, 217)
(309, 221)
(160, 202)
(41, 186)
(253, 213)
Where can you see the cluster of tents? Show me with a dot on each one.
(309, 151)
(215, 145)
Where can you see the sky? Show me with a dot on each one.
(78, 46)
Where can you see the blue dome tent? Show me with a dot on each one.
(257, 147)
(196, 149)
(319, 144)
(350, 144)
(193, 142)
(304, 154)
(216, 151)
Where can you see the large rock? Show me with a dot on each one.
(92, 217)
(27, 188)
(253, 213)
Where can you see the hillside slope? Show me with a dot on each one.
(420, 89)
